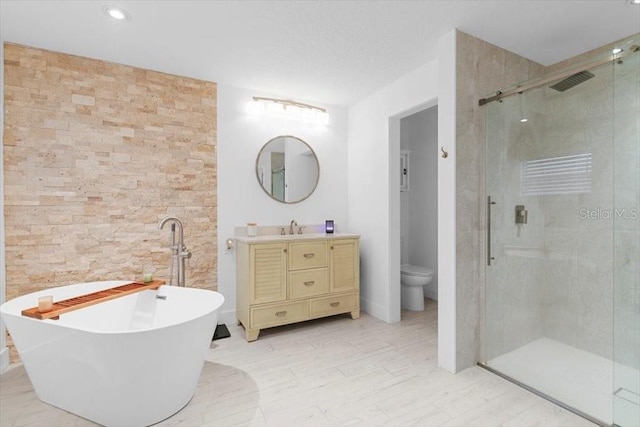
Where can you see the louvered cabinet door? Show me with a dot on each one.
(268, 266)
(344, 265)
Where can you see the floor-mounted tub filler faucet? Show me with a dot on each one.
(291, 225)
(179, 251)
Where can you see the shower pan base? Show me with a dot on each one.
(574, 379)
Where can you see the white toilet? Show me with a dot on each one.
(413, 279)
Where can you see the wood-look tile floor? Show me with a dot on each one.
(328, 372)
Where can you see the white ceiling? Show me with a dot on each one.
(333, 52)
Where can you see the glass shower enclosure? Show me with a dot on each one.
(562, 290)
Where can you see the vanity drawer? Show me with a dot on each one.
(307, 255)
(334, 305)
(281, 314)
(308, 283)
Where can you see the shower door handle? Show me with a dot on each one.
(489, 257)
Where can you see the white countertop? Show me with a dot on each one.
(288, 237)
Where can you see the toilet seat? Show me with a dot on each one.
(415, 270)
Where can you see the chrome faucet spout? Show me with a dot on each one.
(291, 225)
(178, 223)
(179, 250)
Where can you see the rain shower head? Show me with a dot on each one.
(572, 81)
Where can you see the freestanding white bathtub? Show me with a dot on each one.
(131, 361)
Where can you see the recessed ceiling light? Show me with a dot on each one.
(524, 120)
(116, 13)
(635, 2)
(617, 50)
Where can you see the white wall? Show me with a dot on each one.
(374, 149)
(447, 348)
(374, 210)
(240, 198)
(419, 135)
(4, 352)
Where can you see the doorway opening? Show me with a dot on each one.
(417, 208)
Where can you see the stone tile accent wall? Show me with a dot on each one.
(95, 154)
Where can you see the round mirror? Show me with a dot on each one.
(287, 169)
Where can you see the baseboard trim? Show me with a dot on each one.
(430, 293)
(227, 317)
(377, 311)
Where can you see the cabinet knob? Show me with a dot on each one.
(281, 313)
(332, 247)
(335, 304)
(310, 283)
(284, 250)
(309, 255)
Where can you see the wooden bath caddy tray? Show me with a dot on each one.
(82, 301)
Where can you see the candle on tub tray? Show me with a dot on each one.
(45, 303)
(148, 277)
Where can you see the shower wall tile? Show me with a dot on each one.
(95, 154)
(573, 260)
(627, 223)
(584, 58)
(571, 304)
(482, 68)
(578, 305)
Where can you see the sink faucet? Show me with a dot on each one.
(179, 250)
(291, 225)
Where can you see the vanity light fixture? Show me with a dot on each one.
(293, 111)
(309, 114)
(274, 108)
(288, 109)
(116, 13)
(322, 117)
(255, 108)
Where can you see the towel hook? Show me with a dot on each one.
(445, 154)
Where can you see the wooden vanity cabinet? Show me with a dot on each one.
(344, 265)
(291, 281)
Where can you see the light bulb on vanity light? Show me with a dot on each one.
(309, 114)
(275, 108)
(255, 107)
(322, 117)
(293, 112)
